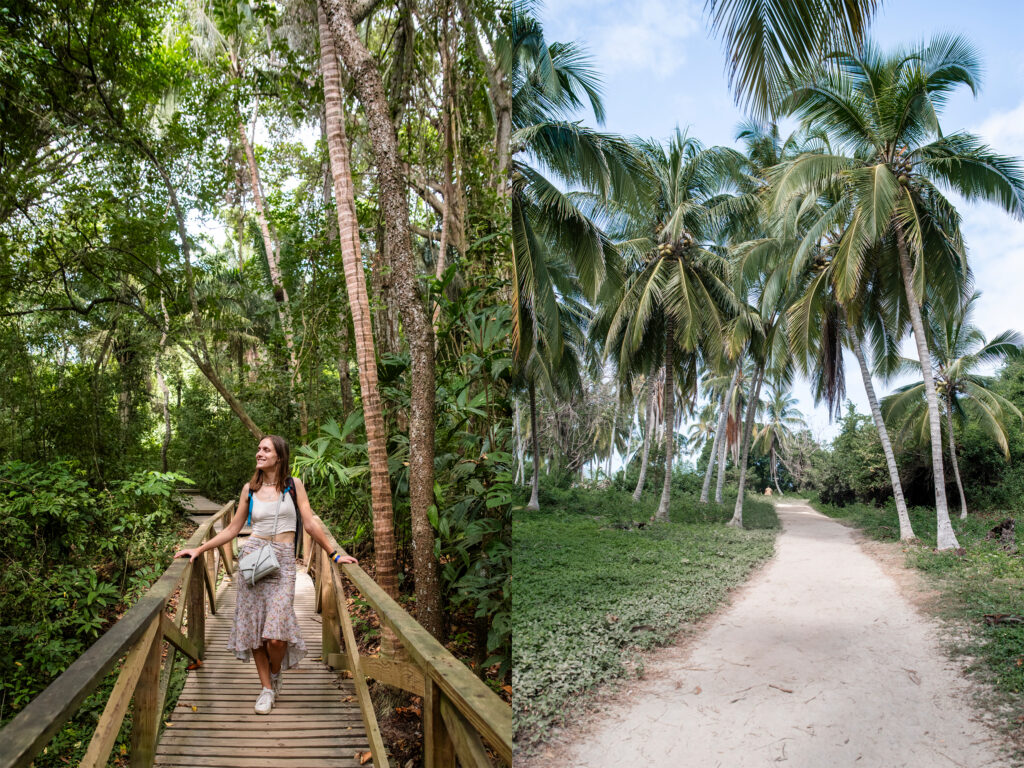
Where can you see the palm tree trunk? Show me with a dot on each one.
(748, 430)
(520, 452)
(705, 491)
(359, 304)
(611, 439)
(535, 493)
(775, 470)
(945, 538)
(906, 531)
(723, 422)
(648, 436)
(952, 458)
(419, 330)
(670, 417)
(344, 380)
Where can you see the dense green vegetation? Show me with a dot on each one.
(595, 581)
(76, 558)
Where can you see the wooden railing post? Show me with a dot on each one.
(145, 713)
(438, 750)
(197, 603)
(330, 633)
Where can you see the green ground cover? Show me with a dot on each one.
(590, 589)
(984, 579)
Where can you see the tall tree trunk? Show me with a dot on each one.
(945, 538)
(419, 329)
(520, 448)
(748, 430)
(953, 459)
(906, 531)
(705, 490)
(775, 470)
(723, 422)
(418, 326)
(535, 439)
(670, 417)
(359, 304)
(344, 380)
(161, 382)
(648, 437)
(611, 440)
(274, 265)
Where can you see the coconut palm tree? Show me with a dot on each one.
(881, 112)
(959, 349)
(782, 417)
(548, 84)
(675, 295)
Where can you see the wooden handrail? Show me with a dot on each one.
(32, 729)
(455, 683)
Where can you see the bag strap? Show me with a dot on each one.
(290, 488)
(248, 523)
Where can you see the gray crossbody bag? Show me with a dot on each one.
(261, 562)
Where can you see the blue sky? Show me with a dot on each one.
(661, 69)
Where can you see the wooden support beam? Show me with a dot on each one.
(467, 742)
(398, 674)
(438, 749)
(109, 724)
(196, 603)
(380, 755)
(330, 633)
(211, 591)
(178, 640)
(146, 713)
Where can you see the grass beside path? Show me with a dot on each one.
(984, 579)
(590, 589)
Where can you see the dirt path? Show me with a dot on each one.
(820, 662)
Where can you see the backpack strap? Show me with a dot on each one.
(290, 490)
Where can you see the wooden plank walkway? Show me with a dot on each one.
(315, 722)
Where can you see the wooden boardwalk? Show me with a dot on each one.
(315, 722)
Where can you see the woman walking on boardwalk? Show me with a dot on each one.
(265, 627)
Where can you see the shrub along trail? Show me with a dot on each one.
(819, 662)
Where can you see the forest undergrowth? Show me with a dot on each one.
(596, 583)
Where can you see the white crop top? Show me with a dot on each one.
(263, 516)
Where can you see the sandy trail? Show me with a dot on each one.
(820, 662)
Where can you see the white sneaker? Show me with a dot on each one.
(275, 682)
(265, 702)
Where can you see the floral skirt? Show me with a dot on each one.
(266, 611)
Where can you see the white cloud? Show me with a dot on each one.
(641, 36)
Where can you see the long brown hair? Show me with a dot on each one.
(283, 468)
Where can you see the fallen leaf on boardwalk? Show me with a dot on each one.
(364, 757)
(195, 708)
(696, 691)
(195, 664)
